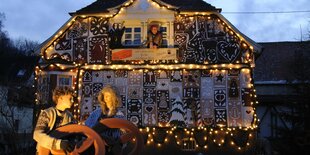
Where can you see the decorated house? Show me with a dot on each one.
(195, 91)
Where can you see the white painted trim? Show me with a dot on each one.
(57, 72)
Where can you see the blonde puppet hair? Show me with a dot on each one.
(116, 102)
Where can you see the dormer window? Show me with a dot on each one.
(133, 35)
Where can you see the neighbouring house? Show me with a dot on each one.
(195, 93)
(282, 81)
(16, 103)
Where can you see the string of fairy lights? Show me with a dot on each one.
(163, 134)
(206, 136)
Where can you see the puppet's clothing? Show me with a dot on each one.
(155, 39)
(50, 119)
(96, 116)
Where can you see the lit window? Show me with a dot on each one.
(163, 30)
(64, 81)
(132, 36)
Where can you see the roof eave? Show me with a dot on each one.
(89, 13)
(190, 11)
(166, 4)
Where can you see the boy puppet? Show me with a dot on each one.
(54, 117)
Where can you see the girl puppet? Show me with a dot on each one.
(109, 102)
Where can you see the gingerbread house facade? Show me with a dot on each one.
(200, 78)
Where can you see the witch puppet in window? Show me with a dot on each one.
(154, 36)
(115, 35)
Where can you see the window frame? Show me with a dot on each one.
(132, 34)
(59, 77)
(165, 41)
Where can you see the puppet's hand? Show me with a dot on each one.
(110, 140)
(117, 149)
(99, 128)
(67, 145)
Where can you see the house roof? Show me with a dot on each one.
(99, 6)
(191, 5)
(17, 69)
(102, 6)
(283, 62)
(16, 74)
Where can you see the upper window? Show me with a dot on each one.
(132, 36)
(163, 30)
(64, 80)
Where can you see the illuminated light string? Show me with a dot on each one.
(219, 137)
(55, 67)
(145, 67)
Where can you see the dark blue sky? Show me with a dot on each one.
(39, 19)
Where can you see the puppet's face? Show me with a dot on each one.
(65, 101)
(108, 99)
(154, 29)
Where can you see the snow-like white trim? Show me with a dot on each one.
(282, 82)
